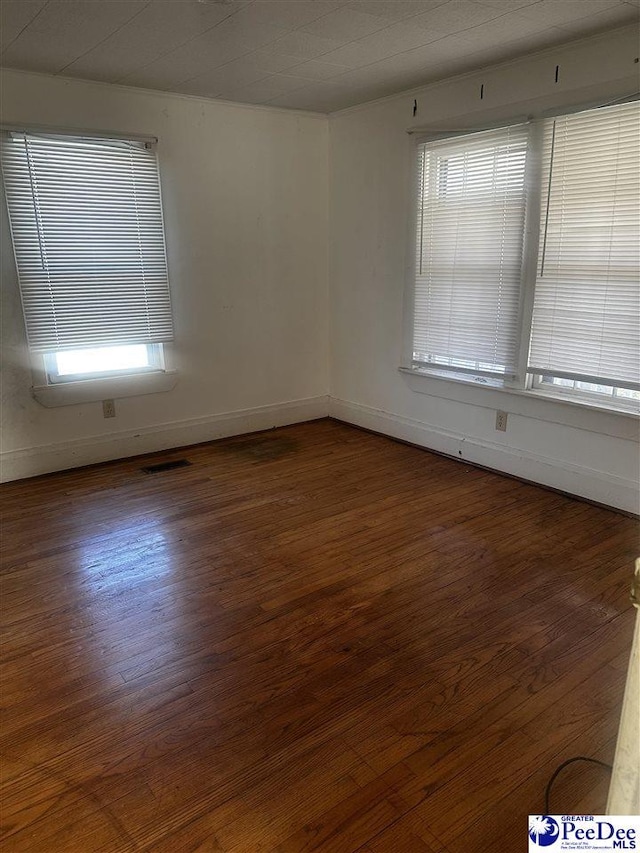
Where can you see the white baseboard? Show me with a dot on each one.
(586, 482)
(18, 464)
(577, 480)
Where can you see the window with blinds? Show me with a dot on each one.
(587, 294)
(469, 251)
(87, 228)
(565, 320)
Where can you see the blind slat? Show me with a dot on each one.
(86, 220)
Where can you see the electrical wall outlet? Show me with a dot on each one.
(108, 409)
(501, 421)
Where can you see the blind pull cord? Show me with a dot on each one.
(546, 218)
(36, 208)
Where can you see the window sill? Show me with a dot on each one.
(458, 378)
(540, 405)
(582, 403)
(112, 387)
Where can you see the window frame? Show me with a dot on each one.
(155, 364)
(508, 379)
(78, 390)
(523, 383)
(49, 387)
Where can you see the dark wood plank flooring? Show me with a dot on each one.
(311, 639)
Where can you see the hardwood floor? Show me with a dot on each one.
(312, 639)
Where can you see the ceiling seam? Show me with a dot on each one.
(28, 24)
(106, 38)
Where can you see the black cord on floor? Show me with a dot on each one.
(561, 767)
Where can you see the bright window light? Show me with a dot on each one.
(102, 359)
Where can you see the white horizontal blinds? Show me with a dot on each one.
(470, 227)
(587, 301)
(86, 220)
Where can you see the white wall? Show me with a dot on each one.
(245, 200)
(591, 453)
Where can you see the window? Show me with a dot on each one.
(97, 362)
(587, 293)
(469, 251)
(88, 236)
(553, 307)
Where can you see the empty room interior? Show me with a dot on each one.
(320, 403)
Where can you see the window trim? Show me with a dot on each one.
(156, 365)
(95, 390)
(420, 378)
(130, 384)
(523, 383)
(57, 130)
(526, 402)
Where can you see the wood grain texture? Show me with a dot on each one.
(311, 639)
